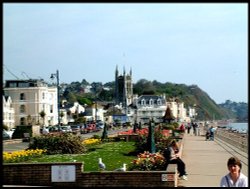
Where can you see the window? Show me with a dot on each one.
(143, 103)
(23, 84)
(13, 85)
(22, 121)
(159, 102)
(151, 102)
(22, 96)
(22, 109)
(51, 108)
(43, 95)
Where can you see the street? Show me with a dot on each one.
(19, 145)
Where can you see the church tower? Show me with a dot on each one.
(123, 88)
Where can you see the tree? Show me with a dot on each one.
(43, 114)
(61, 115)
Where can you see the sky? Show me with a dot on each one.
(203, 44)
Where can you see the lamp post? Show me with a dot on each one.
(53, 75)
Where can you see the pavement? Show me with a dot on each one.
(206, 161)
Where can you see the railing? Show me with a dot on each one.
(238, 140)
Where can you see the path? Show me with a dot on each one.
(206, 161)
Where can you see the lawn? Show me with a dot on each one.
(113, 154)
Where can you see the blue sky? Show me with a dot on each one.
(191, 43)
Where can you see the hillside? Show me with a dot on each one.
(191, 96)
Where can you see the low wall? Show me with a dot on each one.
(70, 174)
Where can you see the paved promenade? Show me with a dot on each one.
(206, 161)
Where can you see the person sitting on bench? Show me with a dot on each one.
(172, 156)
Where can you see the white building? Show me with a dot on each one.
(149, 107)
(8, 112)
(30, 98)
(94, 112)
(69, 111)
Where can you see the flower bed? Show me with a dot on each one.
(143, 131)
(23, 155)
(149, 162)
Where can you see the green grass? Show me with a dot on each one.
(113, 154)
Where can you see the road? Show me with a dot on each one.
(17, 145)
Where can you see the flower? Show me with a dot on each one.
(148, 161)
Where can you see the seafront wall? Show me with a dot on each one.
(237, 140)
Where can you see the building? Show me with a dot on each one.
(68, 111)
(30, 98)
(8, 112)
(123, 89)
(149, 107)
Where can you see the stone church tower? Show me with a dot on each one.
(123, 88)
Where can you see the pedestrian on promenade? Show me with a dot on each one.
(234, 178)
(212, 130)
(172, 156)
(182, 128)
(208, 135)
(188, 127)
(194, 128)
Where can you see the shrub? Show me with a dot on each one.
(64, 143)
(20, 130)
(161, 141)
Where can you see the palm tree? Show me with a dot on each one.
(61, 115)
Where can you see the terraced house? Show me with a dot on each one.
(29, 99)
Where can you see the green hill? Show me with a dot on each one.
(191, 95)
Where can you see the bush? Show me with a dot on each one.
(20, 130)
(161, 141)
(64, 143)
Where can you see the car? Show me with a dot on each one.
(91, 127)
(6, 136)
(66, 128)
(10, 132)
(100, 125)
(76, 129)
(44, 130)
(54, 129)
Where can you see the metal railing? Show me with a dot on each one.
(237, 140)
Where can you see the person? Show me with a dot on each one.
(172, 156)
(194, 128)
(182, 128)
(212, 130)
(188, 128)
(234, 178)
(207, 135)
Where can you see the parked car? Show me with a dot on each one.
(100, 125)
(10, 132)
(6, 136)
(44, 130)
(76, 129)
(54, 129)
(66, 128)
(91, 127)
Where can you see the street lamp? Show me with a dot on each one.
(53, 75)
